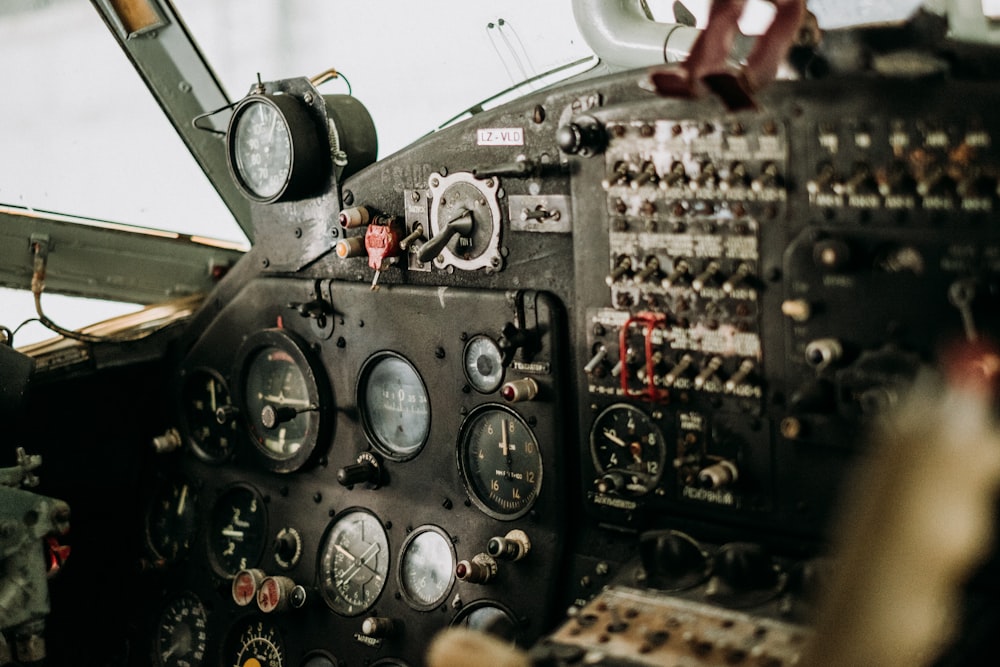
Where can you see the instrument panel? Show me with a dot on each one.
(354, 501)
(620, 365)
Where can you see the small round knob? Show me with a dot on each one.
(584, 136)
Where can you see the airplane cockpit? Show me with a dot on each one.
(678, 347)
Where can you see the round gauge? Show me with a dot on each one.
(320, 659)
(353, 562)
(483, 363)
(172, 521)
(628, 450)
(283, 396)
(209, 415)
(395, 408)
(238, 530)
(181, 634)
(255, 643)
(487, 617)
(275, 149)
(464, 222)
(426, 567)
(500, 461)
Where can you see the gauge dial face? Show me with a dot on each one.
(500, 461)
(483, 363)
(629, 448)
(353, 562)
(172, 521)
(255, 644)
(426, 567)
(209, 415)
(487, 617)
(181, 634)
(261, 148)
(238, 531)
(282, 398)
(394, 406)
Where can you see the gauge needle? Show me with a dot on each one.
(280, 399)
(361, 561)
(614, 438)
(211, 393)
(504, 447)
(230, 532)
(182, 501)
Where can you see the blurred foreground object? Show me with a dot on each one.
(906, 546)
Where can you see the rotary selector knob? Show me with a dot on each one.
(671, 560)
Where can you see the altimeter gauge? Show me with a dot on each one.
(500, 461)
(353, 562)
(283, 396)
(276, 148)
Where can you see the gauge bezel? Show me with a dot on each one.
(309, 163)
(465, 432)
(187, 380)
(404, 550)
(482, 389)
(364, 376)
(258, 554)
(325, 577)
(317, 428)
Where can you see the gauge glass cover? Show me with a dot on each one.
(395, 406)
(172, 521)
(182, 633)
(208, 414)
(238, 530)
(353, 562)
(483, 362)
(426, 567)
(283, 395)
(487, 617)
(624, 441)
(500, 462)
(261, 148)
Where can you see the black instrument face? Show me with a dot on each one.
(282, 397)
(353, 562)
(238, 530)
(500, 461)
(625, 442)
(426, 567)
(395, 406)
(182, 633)
(172, 521)
(209, 415)
(255, 643)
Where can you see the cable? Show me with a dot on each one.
(489, 27)
(40, 260)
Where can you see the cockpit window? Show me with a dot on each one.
(81, 134)
(415, 66)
